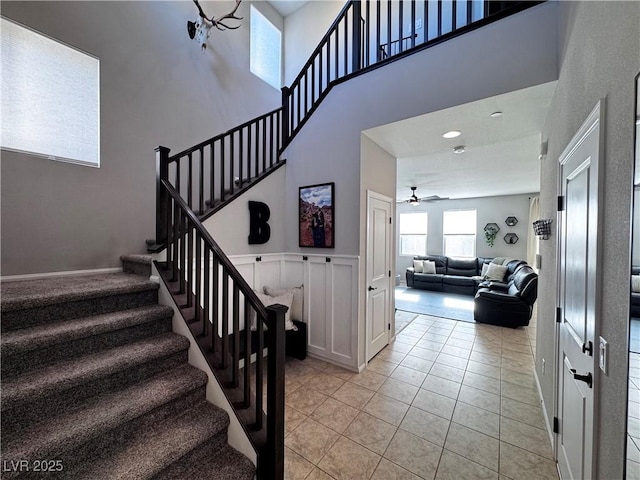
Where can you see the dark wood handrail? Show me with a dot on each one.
(212, 172)
(323, 41)
(246, 290)
(202, 279)
(359, 26)
(343, 52)
(198, 146)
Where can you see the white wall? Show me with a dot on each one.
(330, 298)
(230, 226)
(303, 31)
(599, 58)
(488, 210)
(156, 88)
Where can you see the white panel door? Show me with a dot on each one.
(578, 300)
(378, 273)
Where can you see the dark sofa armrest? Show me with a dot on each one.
(410, 272)
(494, 285)
(495, 296)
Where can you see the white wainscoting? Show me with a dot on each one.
(330, 297)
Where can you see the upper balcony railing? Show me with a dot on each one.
(215, 300)
(370, 33)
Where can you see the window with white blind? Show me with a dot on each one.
(459, 232)
(50, 97)
(266, 49)
(413, 233)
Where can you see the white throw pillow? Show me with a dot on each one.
(428, 266)
(286, 300)
(496, 272)
(418, 266)
(485, 267)
(635, 283)
(297, 306)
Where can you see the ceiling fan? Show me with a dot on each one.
(415, 201)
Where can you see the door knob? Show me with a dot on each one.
(372, 288)
(588, 379)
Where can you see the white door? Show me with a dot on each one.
(578, 300)
(378, 273)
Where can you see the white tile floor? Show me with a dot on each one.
(446, 400)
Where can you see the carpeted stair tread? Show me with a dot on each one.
(139, 258)
(54, 437)
(138, 264)
(51, 291)
(79, 370)
(155, 449)
(223, 464)
(29, 339)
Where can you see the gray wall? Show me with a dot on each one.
(599, 57)
(488, 209)
(156, 88)
(517, 52)
(303, 30)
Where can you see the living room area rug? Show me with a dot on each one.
(404, 318)
(437, 304)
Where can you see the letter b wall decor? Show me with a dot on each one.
(259, 229)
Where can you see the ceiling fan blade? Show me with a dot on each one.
(433, 198)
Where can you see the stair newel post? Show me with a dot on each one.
(285, 118)
(356, 40)
(275, 392)
(162, 196)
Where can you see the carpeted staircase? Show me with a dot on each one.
(95, 383)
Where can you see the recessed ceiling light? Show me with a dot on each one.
(452, 134)
(459, 149)
(496, 114)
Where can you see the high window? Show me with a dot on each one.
(50, 97)
(266, 49)
(413, 233)
(459, 232)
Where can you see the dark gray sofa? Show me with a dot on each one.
(453, 275)
(507, 304)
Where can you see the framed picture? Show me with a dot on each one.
(316, 215)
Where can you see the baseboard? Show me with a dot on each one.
(547, 422)
(38, 276)
(333, 362)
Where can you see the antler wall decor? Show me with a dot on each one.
(201, 28)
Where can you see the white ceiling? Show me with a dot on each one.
(501, 156)
(287, 7)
